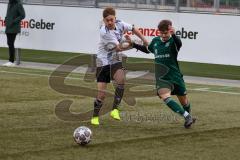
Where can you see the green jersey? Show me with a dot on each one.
(166, 65)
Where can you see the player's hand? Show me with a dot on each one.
(171, 30)
(118, 49)
(126, 43)
(127, 37)
(145, 42)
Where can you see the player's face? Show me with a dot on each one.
(110, 21)
(165, 35)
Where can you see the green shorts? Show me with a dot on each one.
(176, 88)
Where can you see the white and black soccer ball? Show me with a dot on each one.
(82, 135)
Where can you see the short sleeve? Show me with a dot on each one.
(126, 26)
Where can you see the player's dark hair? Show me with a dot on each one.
(164, 25)
(109, 11)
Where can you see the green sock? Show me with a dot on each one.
(187, 107)
(174, 106)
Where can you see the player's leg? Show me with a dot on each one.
(185, 103)
(181, 92)
(98, 102)
(119, 79)
(103, 77)
(165, 95)
(100, 97)
(189, 120)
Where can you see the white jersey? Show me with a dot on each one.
(108, 38)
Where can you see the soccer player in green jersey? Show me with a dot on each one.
(169, 79)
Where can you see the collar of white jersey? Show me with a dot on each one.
(116, 26)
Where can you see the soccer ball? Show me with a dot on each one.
(82, 135)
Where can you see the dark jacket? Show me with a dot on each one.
(15, 13)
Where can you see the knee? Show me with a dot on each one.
(163, 95)
(120, 81)
(120, 86)
(101, 96)
(183, 100)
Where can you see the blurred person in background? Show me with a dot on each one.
(15, 13)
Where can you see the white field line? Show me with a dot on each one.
(195, 89)
(35, 74)
(207, 90)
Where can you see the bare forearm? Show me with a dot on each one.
(139, 34)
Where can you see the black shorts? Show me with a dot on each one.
(105, 73)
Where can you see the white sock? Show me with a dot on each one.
(185, 114)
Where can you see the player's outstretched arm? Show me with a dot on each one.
(140, 47)
(125, 44)
(139, 34)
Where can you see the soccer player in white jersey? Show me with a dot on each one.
(109, 64)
